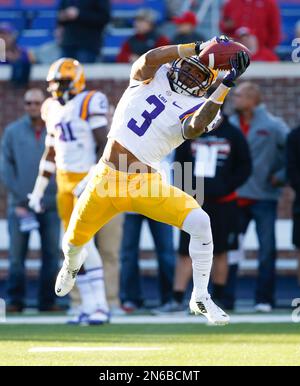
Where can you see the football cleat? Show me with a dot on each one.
(205, 306)
(98, 317)
(65, 280)
(79, 320)
(170, 307)
(263, 307)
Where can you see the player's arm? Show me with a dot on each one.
(46, 170)
(98, 123)
(147, 65)
(200, 122)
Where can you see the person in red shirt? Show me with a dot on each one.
(259, 54)
(144, 39)
(261, 16)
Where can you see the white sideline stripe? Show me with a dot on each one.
(142, 319)
(89, 349)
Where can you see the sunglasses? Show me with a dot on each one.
(29, 103)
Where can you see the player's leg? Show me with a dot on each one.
(93, 209)
(173, 206)
(93, 267)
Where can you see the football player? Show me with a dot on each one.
(76, 125)
(163, 106)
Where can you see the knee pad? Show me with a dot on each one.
(197, 224)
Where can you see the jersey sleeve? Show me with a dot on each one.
(98, 111)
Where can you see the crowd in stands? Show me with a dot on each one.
(83, 29)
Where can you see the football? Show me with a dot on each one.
(217, 55)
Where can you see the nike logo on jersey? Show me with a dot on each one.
(206, 243)
(175, 104)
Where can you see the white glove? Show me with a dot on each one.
(79, 188)
(37, 194)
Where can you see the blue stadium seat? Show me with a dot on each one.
(290, 14)
(28, 4)
(34, 38)
(37, 4)
(128, 8)
(44, 22)
(13, 17)
(113, 40)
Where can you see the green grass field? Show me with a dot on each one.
(181, 344)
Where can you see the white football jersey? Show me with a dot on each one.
(71, 126)
(148, 118)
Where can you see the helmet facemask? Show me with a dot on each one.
(61, 90)
(189, 76)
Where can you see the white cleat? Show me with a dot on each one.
(205, 306)
(65, 280)
(98, 317)
(263, 307)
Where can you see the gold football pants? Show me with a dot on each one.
(111, 192)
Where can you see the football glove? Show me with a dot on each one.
(239, 65)
(37, 194)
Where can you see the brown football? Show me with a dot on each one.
(217, 55)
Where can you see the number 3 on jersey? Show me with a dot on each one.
(148, 116)
(66, 132)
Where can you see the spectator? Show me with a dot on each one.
(22, 147)
(293, 172)
(258, 197)
(262, 54)
(186, 29)
(144, 39)
(131, 293)
(83, 22)
(19, 58)
(48, 53)
(262, 17)
(227, 165)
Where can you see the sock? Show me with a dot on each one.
(94, 270)
(74, 256)
(96, 280)
(86, 293)
(178, 296)
(93, 259)
(197, 224)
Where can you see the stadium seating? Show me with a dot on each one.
(290, 14)
(35, 21)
